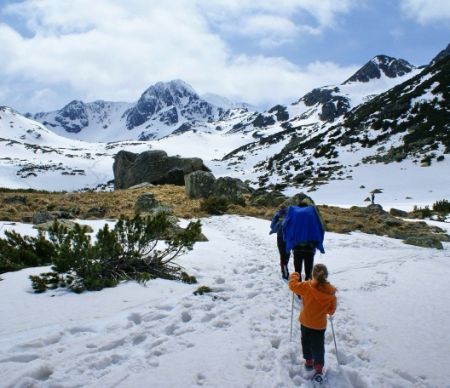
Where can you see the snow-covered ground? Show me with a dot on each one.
(392, 322)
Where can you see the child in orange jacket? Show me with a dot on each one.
(319, 299)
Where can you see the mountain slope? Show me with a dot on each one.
(163, 109)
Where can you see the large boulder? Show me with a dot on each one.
(154, 166)
(231, 189)
(269, 199)
(199, 184)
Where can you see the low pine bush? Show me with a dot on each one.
(442, 206)
(141, 249)
(214, 205)
(17, 251)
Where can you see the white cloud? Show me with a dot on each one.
(110, 49)
(427, 11)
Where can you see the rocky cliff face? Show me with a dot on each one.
(379, 65)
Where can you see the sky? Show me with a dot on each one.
(261, 52)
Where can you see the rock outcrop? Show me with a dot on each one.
(155, 167)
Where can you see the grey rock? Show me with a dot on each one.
(231, 189)
(145, 203)
(42, 216)
(375, 208)
(152, 166)
(69, 225)
(398, 213)
(199, 184)
(267, 199)
(424, 241)
(95, 212)
(142, 185)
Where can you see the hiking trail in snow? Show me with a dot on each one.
(161, 335)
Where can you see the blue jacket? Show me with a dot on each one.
(303, 224)
(277, 221)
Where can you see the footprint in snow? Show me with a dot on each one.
(185, 316)
(139, 339)
(136, 318)
(23, 358)
(81, 330)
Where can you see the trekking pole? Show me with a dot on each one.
(292, 315)
(334, 339)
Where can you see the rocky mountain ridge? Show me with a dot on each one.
(327, 135)
(163, 109)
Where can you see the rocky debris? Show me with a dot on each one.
(43, 216)
(95, 212)
(374, 220)
(424, 241)
(398, 213)
(265, 198)
(147, 203)
(199, 184)
(141, 186)
(69, 225)
(263, 121)
(231, 189)
(280, 111)
(333, 105)
(153, 166)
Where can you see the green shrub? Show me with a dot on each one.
(214, 205)
(442, 206)
(17, 251)
(202, 290)
(424, 212)
(186, 278)
(133, 250)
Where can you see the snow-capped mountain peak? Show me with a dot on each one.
(170, 103)
(381, 65)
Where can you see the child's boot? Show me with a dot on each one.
(309, 364)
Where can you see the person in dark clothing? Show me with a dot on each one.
(277, 227)
(304, 253)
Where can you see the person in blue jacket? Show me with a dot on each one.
(303, 232)
(276, 226)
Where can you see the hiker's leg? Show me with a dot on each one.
(298, 260)
(306, 343)
(318, 346)
(284, 257)
(309, 264)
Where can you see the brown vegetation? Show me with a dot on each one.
(19, 206)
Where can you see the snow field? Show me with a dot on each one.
(392, 316)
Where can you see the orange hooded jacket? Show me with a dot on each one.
(318, 301)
